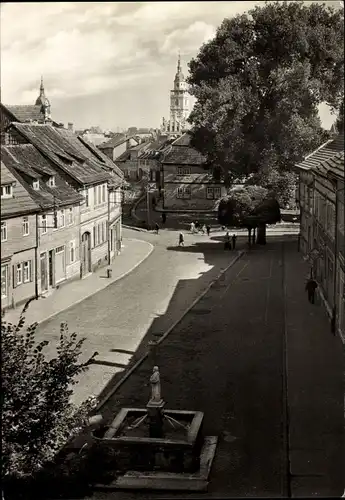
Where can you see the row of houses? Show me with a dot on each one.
(321, 200)
(177, 169)
(60, 210)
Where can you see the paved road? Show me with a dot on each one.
(226, 358)
(116, 320)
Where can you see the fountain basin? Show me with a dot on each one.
(178, 451)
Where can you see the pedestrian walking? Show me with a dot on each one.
(227, 243)
(164, 218)
(192, 227)
(157, 228)
(208, 229)
(311, 287)
(181, 240)
(203, 229)
(197, 226)
(234, 238)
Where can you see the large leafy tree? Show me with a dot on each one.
(38, 417)
(258, 85)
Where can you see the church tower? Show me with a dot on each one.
(43, 102)
(179, 104)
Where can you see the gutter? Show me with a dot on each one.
(36, 258)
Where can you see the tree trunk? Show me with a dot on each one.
(254, 235)
(261, 238)
(249, 236)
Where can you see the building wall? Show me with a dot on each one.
(16, 241)
(18, 291)
(198, 199)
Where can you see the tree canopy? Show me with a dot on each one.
(249, 207)
(258, 84)
(37, 415)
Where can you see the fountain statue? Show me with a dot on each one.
(155, 382)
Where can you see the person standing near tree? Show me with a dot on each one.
(227, 243)
(181, 240)
(234, 238)
(208, 229)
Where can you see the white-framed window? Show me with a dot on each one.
(95, 241)
(95, 200)
(183, 171)
(62, 218)
(4, 231)
(51, 181)
(19, 274)
(209, 193)
(103, 231)
(4, 281)
(70, 216)
(26, 229)
(216, 192)
(99, 234)
(104, 199)
(72, 256)
(184, 192)
(99, 195)
(86, 196)
(7, 191)
(36, 184)
(26, 271)
(44, 224)
(187, 192)
(179, 192)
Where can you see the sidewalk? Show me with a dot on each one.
(315, 364)
(132, 254)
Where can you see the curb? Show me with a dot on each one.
(133, 228)
(135, 206)
(164, 336)
(109, 284)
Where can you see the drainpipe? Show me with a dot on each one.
(109, 257)
(36, 259)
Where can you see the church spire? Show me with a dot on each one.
(179, 62)
(41, 87)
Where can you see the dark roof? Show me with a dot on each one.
(147, 150)
(26, 163)
(333, 166)
(21, 202)
(26, 113)
(323, 153)
(182, 155)
(196, 178)
(184, 140)
(66, 150)
(115, 141)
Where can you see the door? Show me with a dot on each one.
(44, 280)
(86, 253)
(60, 272)
(51, 268)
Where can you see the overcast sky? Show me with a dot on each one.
(106, 64)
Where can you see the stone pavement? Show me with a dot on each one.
(227, 358)
(132, 254)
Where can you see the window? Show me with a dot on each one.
(4, 281)
(72, 252)
(60, 249)
(62, 218)
(36, 185)
(209, 193)
(19, 274)
(44, 224)
(51, 181)
(103, 194)
(103, 231)
(216, 192)
(95, 242)
(6, 191)
(3, 231)
(99, 195)
(70, 216)
(184, 192)
(183, 170)
(99, 233)
(179, 192)
(187, 192)
(25, 226)
(86, 196)
(95, 196)
(26, 271)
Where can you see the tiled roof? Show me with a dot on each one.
(334, 165)
(194, 178)
(66, 150)
(25, 162)
(323, 153)
(27, 113)
(21, 202)
(115, 141)
(146, 150)
(182, 155)
(184, 140)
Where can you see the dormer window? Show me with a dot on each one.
(7, 191)
(51, 181)
(36, 185)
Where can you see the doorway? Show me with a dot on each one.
(44, 277)
(85, 253)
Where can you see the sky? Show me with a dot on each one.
(106, 64)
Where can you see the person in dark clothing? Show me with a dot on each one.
(181, 239)
(208, 229)
(164, 218)
(227, 242)
(157, 228)
(234, 238)
(197, 226)
(311, 287)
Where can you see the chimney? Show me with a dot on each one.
(70, 126)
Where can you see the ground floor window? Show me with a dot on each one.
(4, 281)
(184, 192)
(212, 193)
(72, 252)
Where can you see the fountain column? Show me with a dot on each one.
(155, 406)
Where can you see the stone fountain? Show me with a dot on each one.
(157, 448)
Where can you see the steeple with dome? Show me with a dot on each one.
(43, 101)
(179, 105)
